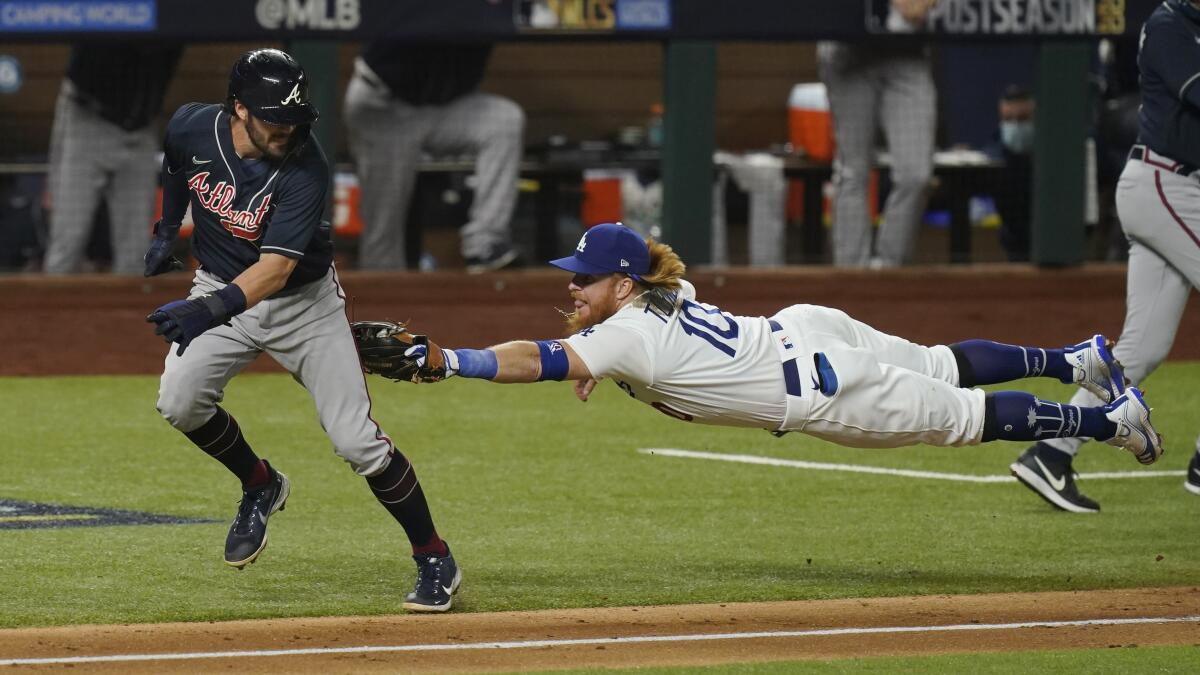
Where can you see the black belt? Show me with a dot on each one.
(791, 374)
(1142, 154)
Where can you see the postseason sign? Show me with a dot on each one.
(1009, 17)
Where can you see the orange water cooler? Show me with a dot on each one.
(810, 126)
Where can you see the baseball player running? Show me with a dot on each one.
(1158, 202)
(807, 368)
(258, 186)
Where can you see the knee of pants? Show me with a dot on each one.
(1139, 365)
(911, 179)
(510, 117)
(366, 459)
(183, 409)
(848, 177)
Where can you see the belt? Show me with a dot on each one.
(1144, 154)
(791, 374)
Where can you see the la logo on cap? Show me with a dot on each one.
(582, 243)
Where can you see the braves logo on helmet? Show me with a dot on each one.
(293, 96)
(273, 86)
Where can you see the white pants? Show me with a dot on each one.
(890, 392)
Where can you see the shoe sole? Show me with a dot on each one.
(499, 263)
(1151, 433)
(1191, 487)
(1108, 364)
(279, 505)
(416, 607)
(1034, 481)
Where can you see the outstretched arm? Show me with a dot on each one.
(519, 361)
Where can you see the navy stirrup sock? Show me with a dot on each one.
(987, 362)
(1019, 416)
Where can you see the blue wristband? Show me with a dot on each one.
(233, 298)
(480, 363)
(225, 303)
(554, 360)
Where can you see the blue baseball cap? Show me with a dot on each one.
(607, 248)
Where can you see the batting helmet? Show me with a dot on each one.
(273, 86)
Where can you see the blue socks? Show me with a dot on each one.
(1018, 416)
(987, 362)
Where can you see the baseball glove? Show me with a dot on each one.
(387, 348)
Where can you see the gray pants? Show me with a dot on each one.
(1160, 212)
(387, 137)
(91, 157)
(307, 333)
(868, 90)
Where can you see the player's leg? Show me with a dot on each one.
(385, 137)
(1090, 364)
(491, 127)
(130, 198)
(190, 392)
(1169, 226)
(865, 403)
(79, 144)
(1155, 297)
(853, 105)
(908, 111)
(323, 358)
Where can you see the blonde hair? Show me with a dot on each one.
(666, 269)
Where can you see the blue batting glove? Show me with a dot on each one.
(158, 258)
(182, 321)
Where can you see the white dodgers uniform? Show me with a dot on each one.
(808, 368)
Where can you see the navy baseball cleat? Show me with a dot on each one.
(1048, 473)
(1095, 368)
(437, 582)
(1192, 482)
(248, 534)
(1134, 431)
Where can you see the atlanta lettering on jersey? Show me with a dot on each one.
(218, 199)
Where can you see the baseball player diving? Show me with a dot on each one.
(258, 184)
(807, 368)
(1158, 202)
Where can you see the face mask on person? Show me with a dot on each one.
(1017, 136)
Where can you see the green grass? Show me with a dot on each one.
(548, 505)
(1089, 661)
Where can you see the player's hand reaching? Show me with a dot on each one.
(387, 348)
(444, 364)
(583, 389)
(158, 258)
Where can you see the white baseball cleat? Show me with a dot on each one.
(1134, 431)
(1095, 368)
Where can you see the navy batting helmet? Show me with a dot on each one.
(273, 86)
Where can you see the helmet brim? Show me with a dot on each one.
(292, 115)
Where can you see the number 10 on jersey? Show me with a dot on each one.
(711, 324)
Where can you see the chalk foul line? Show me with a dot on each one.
(884, 471)
(633, 639)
